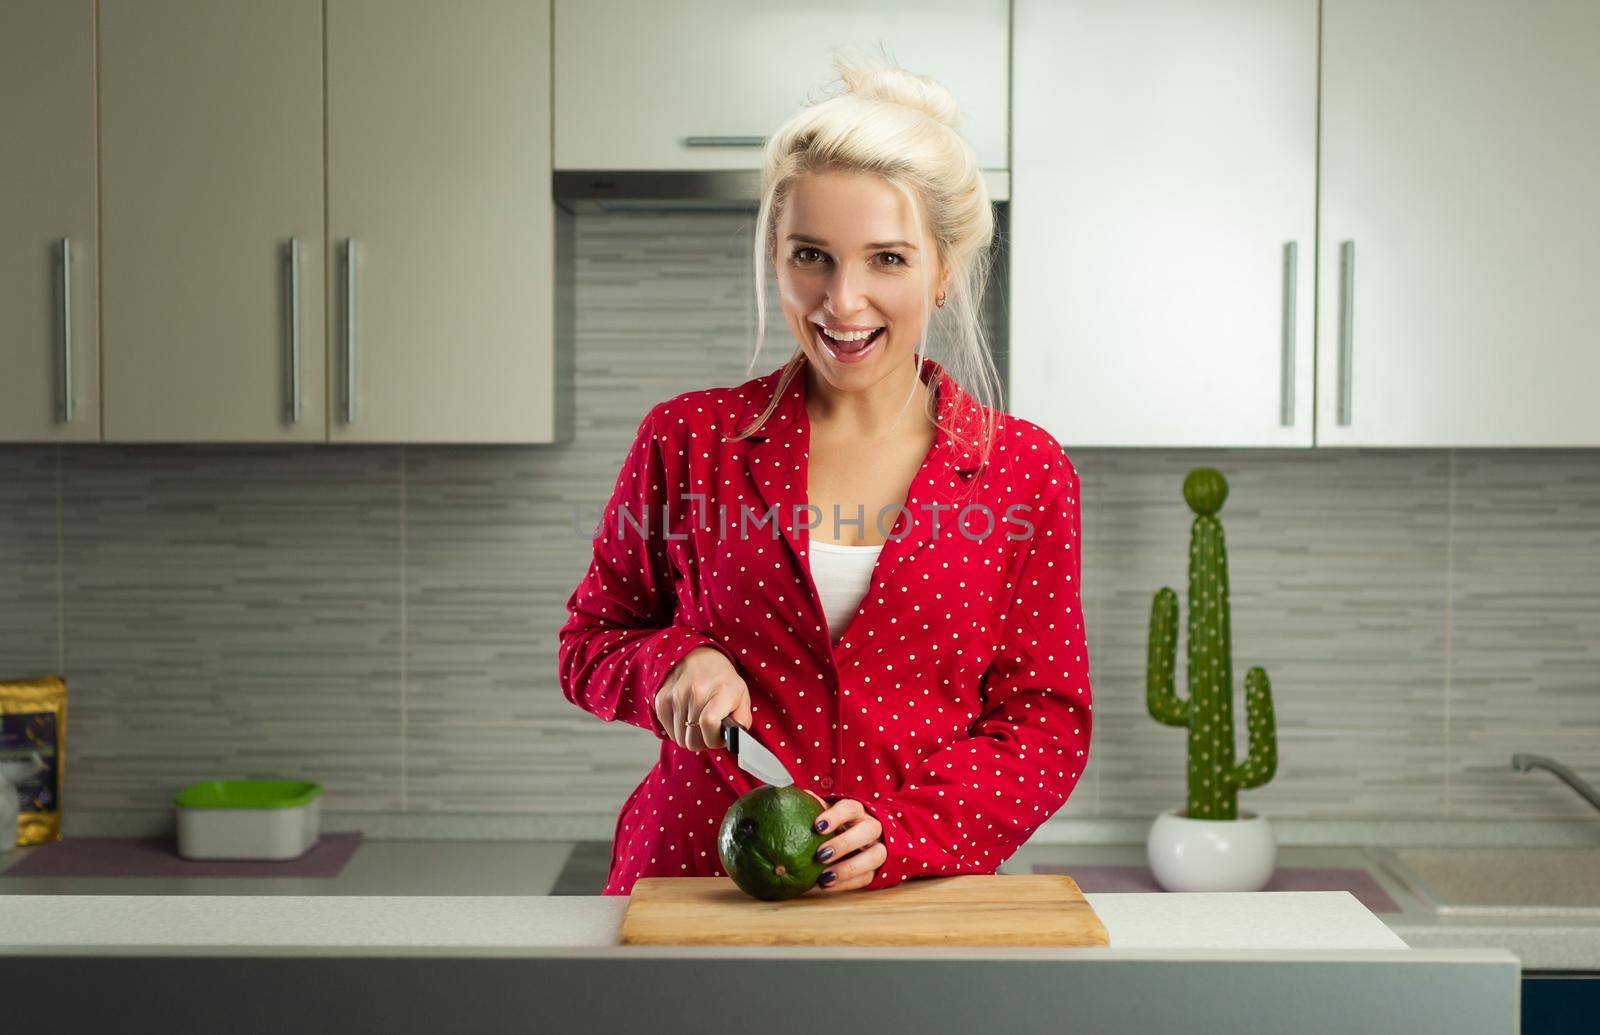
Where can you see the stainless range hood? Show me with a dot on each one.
(657, 190)
(684, 190)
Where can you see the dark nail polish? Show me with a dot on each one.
(826, 854)
(822, 825)
(826, 878)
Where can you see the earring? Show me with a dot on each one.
(939, 301)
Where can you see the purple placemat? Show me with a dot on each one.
(158, 857)
(1360, 883)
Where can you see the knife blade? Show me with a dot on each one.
(753, 756)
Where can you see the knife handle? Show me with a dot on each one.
(730, 736)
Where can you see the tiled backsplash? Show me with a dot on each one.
(383, 619)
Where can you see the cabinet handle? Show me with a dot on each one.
(65, 400)
(724, 141)
(291, 271)
(349, 330)
(1347, 293)
(1290, 290)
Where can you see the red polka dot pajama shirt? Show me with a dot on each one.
(956, 704)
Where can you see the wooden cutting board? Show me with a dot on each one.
(970, 909)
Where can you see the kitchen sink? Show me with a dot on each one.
(1514, 882)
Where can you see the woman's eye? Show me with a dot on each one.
(800, 253)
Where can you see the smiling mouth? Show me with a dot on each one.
(848, 348)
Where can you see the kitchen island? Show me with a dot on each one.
(1307, 962)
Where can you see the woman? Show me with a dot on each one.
(885, 594)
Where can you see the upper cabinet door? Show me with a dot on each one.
(211, 180)
(439, 187)
(49, 319)
(1163, 207)
(642, 84)
(1460, 224)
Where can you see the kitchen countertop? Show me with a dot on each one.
(407, 921)
(1317, 963)
(1542, 943)
(1215, 923)
(484, 871)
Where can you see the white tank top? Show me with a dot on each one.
(843, 575)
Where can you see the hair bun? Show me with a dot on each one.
(882, 80)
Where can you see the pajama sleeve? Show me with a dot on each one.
(620, 639)
(970, 805)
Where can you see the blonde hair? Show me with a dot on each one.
(901, 127)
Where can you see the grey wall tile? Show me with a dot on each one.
(1525, 593)
(231, 612)
(30, 591)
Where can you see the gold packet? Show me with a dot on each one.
(33, 725)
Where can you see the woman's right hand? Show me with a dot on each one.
(700, 691)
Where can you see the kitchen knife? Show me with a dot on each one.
(753, 757)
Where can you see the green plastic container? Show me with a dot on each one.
(248, 819)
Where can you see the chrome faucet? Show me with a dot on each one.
(1524, 763)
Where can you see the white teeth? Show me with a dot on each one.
(849, 335)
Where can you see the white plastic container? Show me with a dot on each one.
(248, 819)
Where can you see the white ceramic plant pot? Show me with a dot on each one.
(1211, 854)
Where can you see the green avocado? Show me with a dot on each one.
(768, 845)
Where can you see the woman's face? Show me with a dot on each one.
(848, 253)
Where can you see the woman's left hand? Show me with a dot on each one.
(858, 850)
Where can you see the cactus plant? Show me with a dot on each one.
(1214, 779)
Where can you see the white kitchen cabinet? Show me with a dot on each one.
(49, 314)
(1460, 149)
(641, 84)
(211, 169)
(1163, 204)
(439, 183)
